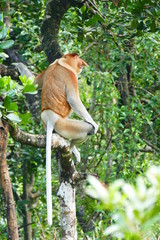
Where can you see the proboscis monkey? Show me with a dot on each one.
(60, 95)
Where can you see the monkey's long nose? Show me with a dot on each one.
(84, 63)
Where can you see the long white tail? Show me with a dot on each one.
(48, 172)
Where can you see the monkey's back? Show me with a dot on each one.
(53, 91)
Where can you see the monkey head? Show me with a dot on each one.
(75, 61)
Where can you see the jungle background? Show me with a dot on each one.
(120, 41)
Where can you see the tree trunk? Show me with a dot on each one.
(6, 186)
(66, 194)
(124, 84)
(27, 219)
(55, 9)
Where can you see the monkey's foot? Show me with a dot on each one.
(76, 154)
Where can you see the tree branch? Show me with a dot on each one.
(11, 71)
(151, 145)
(5, 185)
(37, 140)
(146, 150)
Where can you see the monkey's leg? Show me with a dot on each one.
(49, 116)
(75, 130)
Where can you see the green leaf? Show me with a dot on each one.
(140, 26)
(3, 33)
(96, 18)
(3, 55)
(1, 83)
(83, 8)
(153, 26)
(10, 106)
(7, 101)
(109, 25)
(25, 118)
(1, 17)
(30, 80)
(23, 79)
(153, 40)
(6, 44)
(13, 107)
(134, 23)
(1, 106)
(13, 117)
(30, 88)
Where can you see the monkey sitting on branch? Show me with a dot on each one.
(60, 95)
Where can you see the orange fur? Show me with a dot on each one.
(53, 92)
(40, 79)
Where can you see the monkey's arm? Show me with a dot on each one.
(78, 107)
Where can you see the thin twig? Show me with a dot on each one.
(145, 90)
(151, 145)
(96, 8)
(28, 224)
(105, 149)
(43, 235)
(89, 46)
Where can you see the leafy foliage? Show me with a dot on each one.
(26, 21)
(135, 208)
(11, 94)
(5, 42)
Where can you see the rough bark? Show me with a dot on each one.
(30, 199)
(5, 7)
(6, 186)
(55, 10)
(36, 140)
(66, 194)
(123, 88)
(11, 71)
(27, 219)
(124, 82)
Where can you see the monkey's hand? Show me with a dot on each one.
(95, 127)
